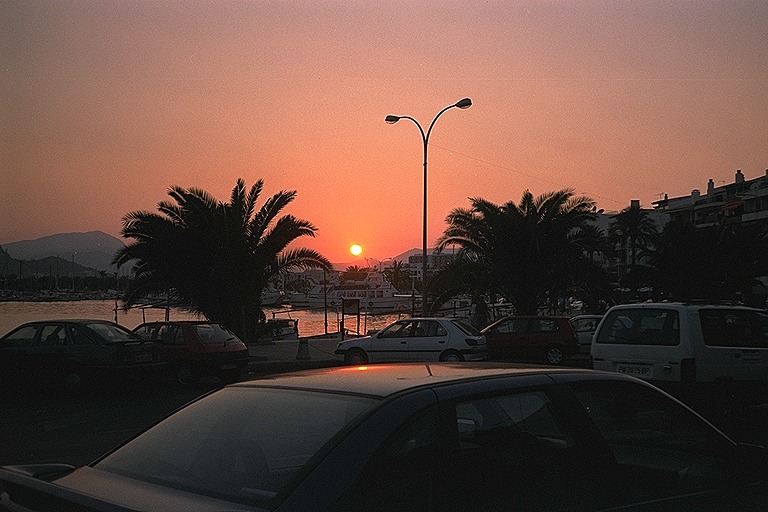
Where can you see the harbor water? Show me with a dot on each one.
(311, 322)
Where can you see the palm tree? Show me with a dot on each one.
(633, 229)
(519, 251)
(398, 276)
(213, 255)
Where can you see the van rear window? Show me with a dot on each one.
(734, 328)
(646, 326)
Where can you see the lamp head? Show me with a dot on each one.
(391, 119)
(465, 103)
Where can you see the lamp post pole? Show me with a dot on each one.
(462, 104)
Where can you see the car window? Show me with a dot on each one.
(406, 474)
(213, 334)
(642, 326)
(584, 325)
(734, 328)
(660, 449)
(79, 337)
(241, 444)
(170, 335)
(145, 330)
(466, 328)
(511, 326)
(52, 335)
(113, 333)
(428, 329)
(397, 330)
(20, 338)
(515, 452)
(544, 325)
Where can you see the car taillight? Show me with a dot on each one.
(471, 341)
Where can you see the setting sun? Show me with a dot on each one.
(356, 250)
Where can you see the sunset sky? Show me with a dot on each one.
(106, 104)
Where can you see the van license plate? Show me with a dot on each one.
(638, 370)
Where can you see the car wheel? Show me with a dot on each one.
(555, 355)
(355, 356)
(451, 356)
(73, 381)
(185, 376)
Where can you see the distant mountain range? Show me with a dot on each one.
(83, 252)
(67, 252)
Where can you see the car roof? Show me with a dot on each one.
(382, 380)
(686, 305)
(564, 317)
(70, 321)
(178, 322)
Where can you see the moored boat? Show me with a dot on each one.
(374, 293)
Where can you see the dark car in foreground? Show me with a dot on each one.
(426, 437)
(196, 349)
(548, 339)
(68, 354)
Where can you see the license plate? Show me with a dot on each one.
(143, 358)
(643, 371)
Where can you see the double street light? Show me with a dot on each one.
(463, 103)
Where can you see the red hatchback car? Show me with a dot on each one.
(196, 349)
(548, 338)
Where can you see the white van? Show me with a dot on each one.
(684, 343)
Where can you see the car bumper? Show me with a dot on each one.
(474, 354)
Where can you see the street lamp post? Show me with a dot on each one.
(463, 103)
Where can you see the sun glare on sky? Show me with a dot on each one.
(356, 250)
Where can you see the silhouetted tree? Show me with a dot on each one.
(521, 251)
(215, 256)
(398, 276)
(635, 233)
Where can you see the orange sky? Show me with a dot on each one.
(105, 104)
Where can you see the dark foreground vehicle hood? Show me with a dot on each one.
(88, 489)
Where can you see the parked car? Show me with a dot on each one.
(69, 354)
(416, 339)
(684, 343)
(427, 437)
(550, 339)
(585, 327)
(198, 349)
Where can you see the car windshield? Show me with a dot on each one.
(113, 333)
(213, 334)
(468, 329)
(243, 444)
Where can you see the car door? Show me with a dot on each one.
(542, 333)
(175, 349)
(15, 357)
(427, 341)
(392, 343)
(507, 338)
(49, 353)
